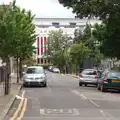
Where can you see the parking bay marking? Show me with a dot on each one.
(84, 97)
(79, 94)
(59, 111)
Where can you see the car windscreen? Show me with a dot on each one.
(114, 75)
(89, 72)
(34, 71)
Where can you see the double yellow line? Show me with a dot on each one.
(21, 107)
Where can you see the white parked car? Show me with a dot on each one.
(56, 70)
(35, 75)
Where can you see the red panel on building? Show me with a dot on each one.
(38, 44)
(45, 39)
(41, 45)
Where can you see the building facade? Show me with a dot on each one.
(45, 25)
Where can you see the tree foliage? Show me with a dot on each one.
(93, 8)
(78, 53)
(107, 11)
(6, 31)
(57, 42)
(24, 33)
(109, 40)
(17, 32)
(89, 40)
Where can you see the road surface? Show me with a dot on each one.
(63, 99)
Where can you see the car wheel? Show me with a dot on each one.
(45, 85)
(102, 88)
(24, 85)
(119, 91)
(98, 86)
(80, 84)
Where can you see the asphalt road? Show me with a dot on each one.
(63, 99)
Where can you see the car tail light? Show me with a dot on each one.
(105, 80)
(80, 76)
(96, 76)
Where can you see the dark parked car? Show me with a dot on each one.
(109, 80)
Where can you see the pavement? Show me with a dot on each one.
(63, 99)
(7, 100)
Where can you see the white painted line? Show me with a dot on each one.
(76, 112)
(49, 89)
(103, 113)
(83, 96)
(79, 94)
(21, 97)
(42, 111)
(94, 103)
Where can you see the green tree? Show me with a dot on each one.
(24, 36)
(93, 8)
(6, 39)
(57, 51)
(78, 36)
(17, 35)
(78, 53)
(108, 12)
(90, 41)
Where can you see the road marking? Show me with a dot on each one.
(23, 110)
(79, 94)
(76, 112)
(103, 113)
(19, 107)
(94, 103)
(19, 97)
(42, 111)
(49, 89)
(84, 97)
(59, 112)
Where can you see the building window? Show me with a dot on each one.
(72, 24)
(43, 26)
(68, 26)
(56, 24)
(38, 60)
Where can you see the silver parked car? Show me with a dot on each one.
(35, 75)
(88, 76)
(56, 70)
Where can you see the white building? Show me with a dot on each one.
(45, 25)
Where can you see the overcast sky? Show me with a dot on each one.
(44, 8)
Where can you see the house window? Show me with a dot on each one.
(43, 26)
(72, 24)
(56, 24)
(69, 26)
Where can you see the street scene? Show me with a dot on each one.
(64, 99)
(59, 60)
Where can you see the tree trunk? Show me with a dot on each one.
(7, 76)
(76, 70)
(17, 70)
(20, 68)
(65, 70)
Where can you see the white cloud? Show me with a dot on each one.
(44, 8)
